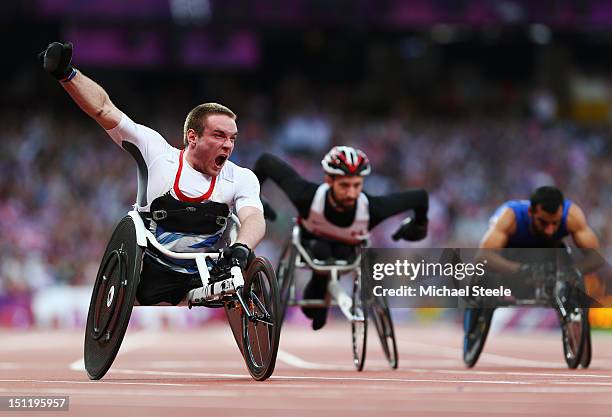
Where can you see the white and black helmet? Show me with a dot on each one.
(346, 161)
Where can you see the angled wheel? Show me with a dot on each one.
(384, 327)
(359, 323)
(476, 325)
(112, 299)
(585, 359)
(284, 276)
(574, 334)
(260, 328)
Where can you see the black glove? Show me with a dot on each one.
(56, 59)
(269, 213)
(411, 230)
(237, 255)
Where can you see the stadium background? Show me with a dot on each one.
(477, 101)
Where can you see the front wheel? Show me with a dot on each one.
(476, 324)
(261, 327)
(585, 359)
(384, 327)
(574, 333)
(359, 322)
(284, 276)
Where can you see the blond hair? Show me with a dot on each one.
(196, 118)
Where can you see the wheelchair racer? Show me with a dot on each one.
(543, 221)
(337, 215)
(195, 179)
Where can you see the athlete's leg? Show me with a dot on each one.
(316, 288)
(159, 284)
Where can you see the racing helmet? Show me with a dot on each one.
(346, 161)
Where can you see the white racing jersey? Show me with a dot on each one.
(318, 225)
(163, 168)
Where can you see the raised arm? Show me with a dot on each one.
(86, 93)
(93, 100)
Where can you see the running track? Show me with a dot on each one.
(201, 373)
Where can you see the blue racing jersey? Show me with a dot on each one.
(523, 237)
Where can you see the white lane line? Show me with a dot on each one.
(101, 383)
(281, 377)
(204, 391)
(20, 343)
(603, 384)
(136, 341)
(489, 357)
(78, 365)
(172, 373)
(188, 364)
(29, 365)
(296, 361)
(529, 387)
(314, 378)
(225, 375)
(134, 392)
(475, 372)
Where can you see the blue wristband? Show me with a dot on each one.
(71, 76)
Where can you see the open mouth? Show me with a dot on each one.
(220, 160)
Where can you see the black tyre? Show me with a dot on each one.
(381, 316)
(112, 299)
(359, 328)
(285, 275)
(476, 325)
(585, 360)
(574, 334)
(261, 332)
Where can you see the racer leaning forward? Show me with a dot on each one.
(336, 216)
(198, 176)
(543, 221)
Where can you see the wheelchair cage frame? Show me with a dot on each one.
(339, 296)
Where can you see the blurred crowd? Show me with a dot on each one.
(64, 184)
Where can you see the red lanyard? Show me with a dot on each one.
(182, 196)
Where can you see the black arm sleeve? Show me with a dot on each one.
(300, 191)
(383, 207)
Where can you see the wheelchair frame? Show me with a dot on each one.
(339, 297)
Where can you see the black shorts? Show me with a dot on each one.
(160, 284)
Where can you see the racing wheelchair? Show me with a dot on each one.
(555, 285)
(250, 300)
(355, 307)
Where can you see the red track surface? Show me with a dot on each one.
(201, 373)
